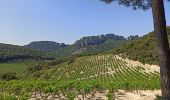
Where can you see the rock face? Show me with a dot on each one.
(97, 40)
(86, 45)
(45, 45)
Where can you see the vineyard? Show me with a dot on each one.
(83, 77)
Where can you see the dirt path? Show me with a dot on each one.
(119, 95)
(141, 95)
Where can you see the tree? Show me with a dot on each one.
(133, 37)
(162, 46)
(8, 76)
(160, 36)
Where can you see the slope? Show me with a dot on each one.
(84, 46)
(102, 68)
(84, 78)
(12, 53)
(45, 45)
(142, 49)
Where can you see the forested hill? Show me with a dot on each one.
(50, 50)
(85, 45)
(12, 52)
(45, 45)
(84, 42)
(142, 49)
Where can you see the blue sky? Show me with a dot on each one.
(23, 21)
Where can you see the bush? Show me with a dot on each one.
(8, 76)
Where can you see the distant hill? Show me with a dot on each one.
(142, 49)
(94, 44)
(86, 45)
(45, 45)
(12, 52)
(50, 50)
(97, 40)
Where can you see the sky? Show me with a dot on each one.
(65, 21)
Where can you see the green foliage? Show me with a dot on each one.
(8, 76)
(18, 68)
(71, 95)
(101, 70)
(18, 53)
(85, 75)
(110, 96)
(45, 46)
(70, 61)
(90, 45)
(34, 68)
(136, 4)
(143, 49)
(7, 97)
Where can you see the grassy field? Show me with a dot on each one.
(12, 67)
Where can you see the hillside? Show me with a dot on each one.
(89, 77)
(94, 67)
(84, 46)
(95, 44)
(13, 57)
(142, 49)
(45, 45)
(93, 77)
(12, 52)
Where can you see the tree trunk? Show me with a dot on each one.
(162, 46)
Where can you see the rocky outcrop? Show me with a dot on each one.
(97, 40)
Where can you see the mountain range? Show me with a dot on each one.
(52, 50)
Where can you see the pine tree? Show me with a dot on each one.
(160, 31)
